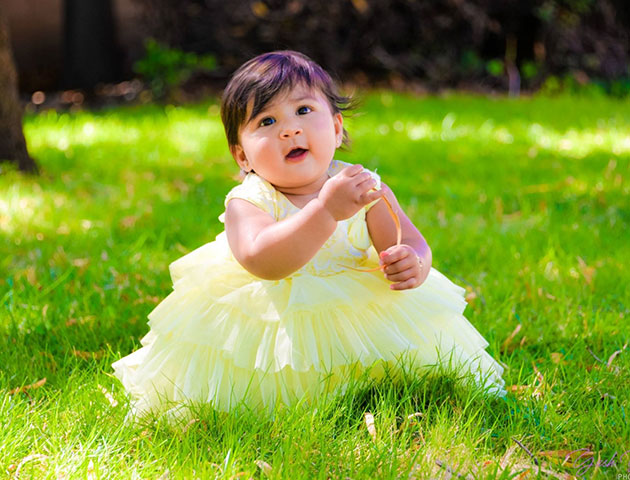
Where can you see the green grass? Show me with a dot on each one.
(524, 202)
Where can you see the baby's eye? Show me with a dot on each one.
(265, 122)
(304, 110)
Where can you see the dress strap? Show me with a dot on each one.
(256, 191)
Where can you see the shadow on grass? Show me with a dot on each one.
(314, 436)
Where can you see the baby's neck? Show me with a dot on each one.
(290, 192)
(310, 190)
(300, 196)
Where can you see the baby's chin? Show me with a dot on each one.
(302, 186)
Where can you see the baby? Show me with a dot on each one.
(310, 280)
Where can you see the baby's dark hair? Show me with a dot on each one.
(267, 75)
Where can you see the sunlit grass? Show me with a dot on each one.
(524, 202)
(572, 143)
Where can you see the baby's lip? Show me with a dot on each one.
(296, 151)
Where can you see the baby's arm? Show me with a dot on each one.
(407, 264)
(274, 250)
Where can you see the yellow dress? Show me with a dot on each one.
(225, 336)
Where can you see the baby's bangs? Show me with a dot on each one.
(280, 76)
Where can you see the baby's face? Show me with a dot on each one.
(291, 142)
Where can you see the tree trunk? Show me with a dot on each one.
(12, 143)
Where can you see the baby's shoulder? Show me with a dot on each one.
(255, 190)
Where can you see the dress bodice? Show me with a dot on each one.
(347, 246)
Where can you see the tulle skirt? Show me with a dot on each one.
(228, 338)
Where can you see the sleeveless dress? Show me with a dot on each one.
(225, 336)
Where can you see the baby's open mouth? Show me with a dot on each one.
(296, 153)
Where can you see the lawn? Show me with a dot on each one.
(525, 202)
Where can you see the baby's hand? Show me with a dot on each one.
(348, 192)
(403, 266)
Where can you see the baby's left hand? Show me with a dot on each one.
(403, 266)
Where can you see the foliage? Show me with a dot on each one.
(165, 68)
(570, 85)
(464, 43)
(524, 202)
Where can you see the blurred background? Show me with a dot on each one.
(76, 54)
(184, 47)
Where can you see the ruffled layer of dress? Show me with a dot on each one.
(224, 336)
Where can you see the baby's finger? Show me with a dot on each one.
(409, 261)
(370, 196)
(407, 284)
(397, 267)
(352, 170)
(392, 255)
(364, 177)
(366, 185)
(400, 276)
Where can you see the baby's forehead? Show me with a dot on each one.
(294, 94)
(298, 93)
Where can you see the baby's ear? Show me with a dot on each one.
(239, 155)
(338, 123)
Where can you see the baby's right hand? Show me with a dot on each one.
(348, 192)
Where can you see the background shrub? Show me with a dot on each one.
(457, 43)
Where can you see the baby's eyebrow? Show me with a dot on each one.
(302, 98)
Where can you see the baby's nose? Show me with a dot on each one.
(291, 131)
